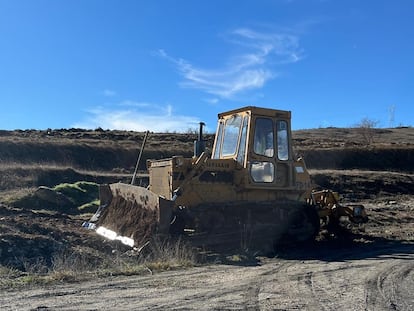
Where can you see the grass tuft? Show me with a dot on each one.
(75, 266)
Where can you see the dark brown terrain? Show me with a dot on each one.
(372, 166)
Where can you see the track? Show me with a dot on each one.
(391, 288)
(378, 277)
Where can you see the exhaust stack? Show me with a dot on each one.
(200, 144)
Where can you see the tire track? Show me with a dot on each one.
(375, 281)
(391, 287)
(252, 301)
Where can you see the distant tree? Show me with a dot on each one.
(366, 128)
(192, 130)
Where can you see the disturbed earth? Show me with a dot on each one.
(370, 269)
(361, 267)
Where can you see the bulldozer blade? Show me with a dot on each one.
(132, 214)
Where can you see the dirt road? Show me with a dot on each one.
(378, 276)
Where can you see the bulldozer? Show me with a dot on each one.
(249, 190)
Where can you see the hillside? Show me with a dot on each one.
(379, 172)
(382, 159)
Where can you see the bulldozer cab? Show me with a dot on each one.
(259, 139)
(251, 160)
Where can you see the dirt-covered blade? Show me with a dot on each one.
(133, 212)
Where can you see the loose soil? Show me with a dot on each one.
(366, 267)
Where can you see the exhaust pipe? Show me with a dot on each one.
(200, 144)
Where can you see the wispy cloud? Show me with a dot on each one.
(133, 103)
(211, 101)
(135, 116)
(255, 64)
(109, 93)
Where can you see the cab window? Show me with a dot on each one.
(262, 172)
(216, 154)
(263, 137)
(282, 141)
(231, 135)
(242, 149)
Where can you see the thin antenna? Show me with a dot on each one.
(139, 158)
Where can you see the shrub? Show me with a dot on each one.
(366, 129)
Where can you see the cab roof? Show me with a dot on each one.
(258, 111)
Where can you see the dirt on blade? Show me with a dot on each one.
(130, 219)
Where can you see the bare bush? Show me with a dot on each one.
(366, 128)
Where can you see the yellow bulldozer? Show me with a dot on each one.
(249, 189)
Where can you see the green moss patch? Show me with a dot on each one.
(69, 198)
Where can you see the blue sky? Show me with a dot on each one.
(167, 65)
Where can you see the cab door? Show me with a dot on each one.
(270, 155)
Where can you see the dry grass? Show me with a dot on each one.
(12, 195)
(73, 266)
(166, 254)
